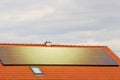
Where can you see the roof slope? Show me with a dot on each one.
(62, 72)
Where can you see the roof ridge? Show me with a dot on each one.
(55, 45)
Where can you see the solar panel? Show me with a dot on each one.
(26, 55)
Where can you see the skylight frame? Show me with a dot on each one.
(37, 71)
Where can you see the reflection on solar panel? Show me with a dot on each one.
(22, 55)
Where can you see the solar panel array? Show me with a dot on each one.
(25, 55)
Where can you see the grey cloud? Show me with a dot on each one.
(62, 21)
(117, 52)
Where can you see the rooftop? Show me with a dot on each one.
(61, 72)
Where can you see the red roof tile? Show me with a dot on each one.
(62, 72)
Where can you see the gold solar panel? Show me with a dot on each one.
(25, 55)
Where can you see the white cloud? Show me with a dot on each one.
(26, 16)
(86, 22)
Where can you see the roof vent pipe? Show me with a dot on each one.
(48, 43)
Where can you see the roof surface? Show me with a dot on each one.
(62, 72)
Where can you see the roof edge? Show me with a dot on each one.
(112, 54)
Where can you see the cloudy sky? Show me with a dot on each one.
(81, 22)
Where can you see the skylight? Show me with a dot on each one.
(36, 70)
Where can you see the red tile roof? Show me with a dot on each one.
(62, 72)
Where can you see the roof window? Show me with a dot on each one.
(36, 70)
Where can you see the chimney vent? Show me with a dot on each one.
(48, 43)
